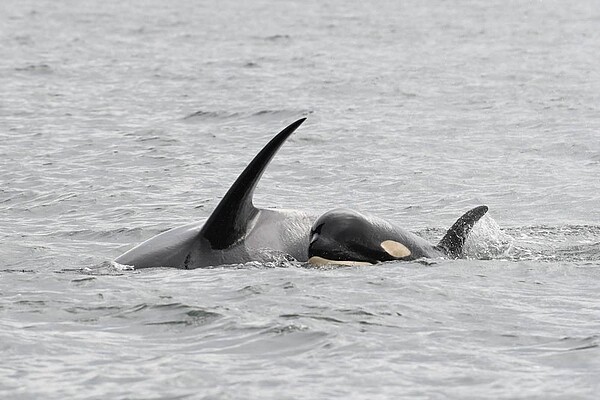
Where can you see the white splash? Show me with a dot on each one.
(487, 240)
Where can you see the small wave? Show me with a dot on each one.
(201, 114)
(286, 329)
(253, 289)
(229, 115)
(277, 38)
(313, 316)
(31, 303)
(168, 314)
(87, 309)
(582, 252)
(571, 243)
(85, 280)
(185, 315)
(562, 345)
(18, 271)
(105, 268)
(264, 259)
(36, 69)
(118, 235)
(146, 314)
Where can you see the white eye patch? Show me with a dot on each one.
(395, 249)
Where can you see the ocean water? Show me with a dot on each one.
(120, 119)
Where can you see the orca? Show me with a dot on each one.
(237, 232)
(347, 237)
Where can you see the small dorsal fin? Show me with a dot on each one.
(229, 221)
(453, 241)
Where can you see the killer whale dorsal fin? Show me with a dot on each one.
(229, 221)
(452, 243)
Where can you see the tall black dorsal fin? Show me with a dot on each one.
(453, 241)
(229, 221)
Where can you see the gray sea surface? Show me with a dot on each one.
(121, 119)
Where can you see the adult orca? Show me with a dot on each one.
(238, 232)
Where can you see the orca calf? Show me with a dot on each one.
(238, 232)
(348, 237)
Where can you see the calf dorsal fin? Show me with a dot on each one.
(229, 221)
(453, 241)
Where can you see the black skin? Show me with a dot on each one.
(347, 235)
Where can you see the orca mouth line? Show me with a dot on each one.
(322, 262)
